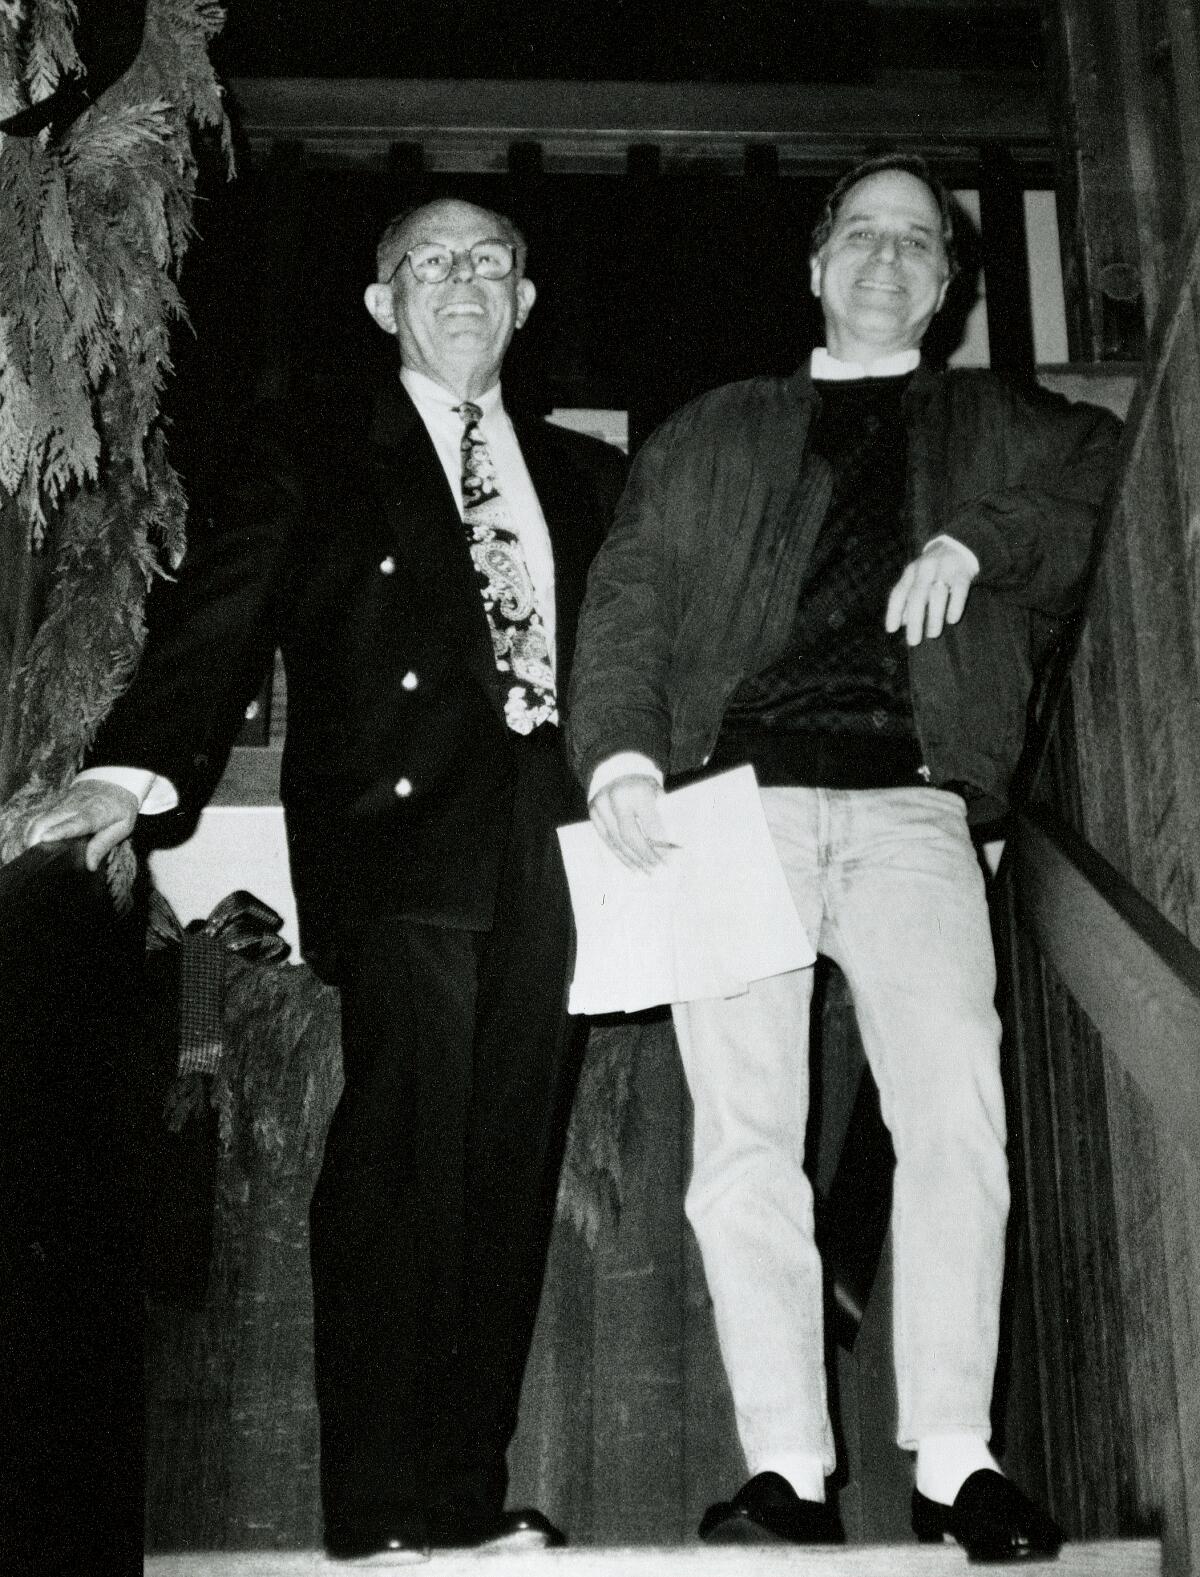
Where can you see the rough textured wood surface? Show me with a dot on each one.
(626, 1430)
(1127, 117)
(1129, 113)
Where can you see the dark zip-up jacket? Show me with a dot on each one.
(697, 584)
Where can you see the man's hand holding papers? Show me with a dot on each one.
(693, 904)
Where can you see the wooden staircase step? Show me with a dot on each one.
(1102, 1558)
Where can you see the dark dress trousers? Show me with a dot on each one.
(421, 836)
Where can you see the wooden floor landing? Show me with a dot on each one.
(1126, 1558)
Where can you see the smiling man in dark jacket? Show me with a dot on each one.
(847, 579)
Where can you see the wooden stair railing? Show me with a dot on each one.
(1133, 974)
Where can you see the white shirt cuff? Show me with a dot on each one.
(154, 794)
(946, 540)
(625, 764)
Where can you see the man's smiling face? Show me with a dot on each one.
(457, 331)
(882, 274)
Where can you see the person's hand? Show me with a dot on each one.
(102, 812)
(932, 591)
(626, 815)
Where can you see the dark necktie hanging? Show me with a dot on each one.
(518, 632)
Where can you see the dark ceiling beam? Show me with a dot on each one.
(469, 126)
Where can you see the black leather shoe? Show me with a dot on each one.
(767, 1510)
(526, 1528)
(390, 1542)
(992, 1520)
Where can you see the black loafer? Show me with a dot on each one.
(991, 1518)
(526, 1528)
(767, 1510)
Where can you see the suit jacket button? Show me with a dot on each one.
(403, 789)
(387, 566)
(409, 682)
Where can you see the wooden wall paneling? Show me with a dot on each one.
(638, 1404)
(1171, 99)
(550, 1459)
(1129, 103)
(188, 1405)
(1069, 1223)
(1179, 1179)
(874, 1476)
(1067, 1365)
(1111, 727)
(1184, 405)
(713, 1464)
(1183, 33)
(1182, 413)
(1019, 1410)
(1098, 218)
(231, 1436)
(884, 1472)
(1039, 1193)
(1145, 1297)
(1129, 33)
(1088, 1248)
(837, 1065)
(272, 1423)
(1094, 690)
(1171, 691)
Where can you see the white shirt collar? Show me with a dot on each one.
(825, 367)
(426, 391)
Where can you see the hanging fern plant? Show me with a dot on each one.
(97, 181)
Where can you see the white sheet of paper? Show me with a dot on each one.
(714, 916)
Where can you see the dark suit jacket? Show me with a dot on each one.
(348, 551)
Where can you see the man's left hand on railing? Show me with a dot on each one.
(104, 813)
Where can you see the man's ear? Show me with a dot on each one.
(378, 299)
(814, 274)
(526, 296)
(942, 294)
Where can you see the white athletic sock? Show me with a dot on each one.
(805, 1473)
(945, 1462)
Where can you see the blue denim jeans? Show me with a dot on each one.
(887, 884)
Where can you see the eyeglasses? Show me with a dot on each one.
(431, 263)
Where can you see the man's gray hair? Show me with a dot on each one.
(389, 254)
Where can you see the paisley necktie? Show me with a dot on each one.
(518, 633)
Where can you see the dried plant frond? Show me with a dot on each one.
(96, 218)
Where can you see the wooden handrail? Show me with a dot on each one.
(1133, 974)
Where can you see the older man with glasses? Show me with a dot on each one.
(424, 584)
